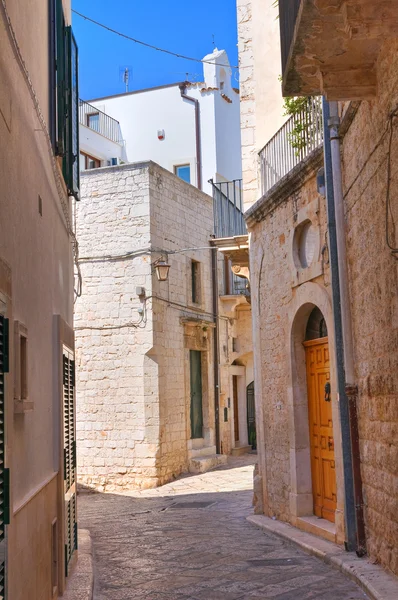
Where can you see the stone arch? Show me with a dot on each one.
(307, 297)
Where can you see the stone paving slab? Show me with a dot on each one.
(190, 540)
(80, 581)
(378, 584)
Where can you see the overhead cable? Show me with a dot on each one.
(128, 37)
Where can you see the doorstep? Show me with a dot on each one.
(240, 450)
(377, 583)
(317, 526)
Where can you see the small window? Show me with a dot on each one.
(93, 121)
(183, 172)
(90, 162)
(21, 367)
(195, 281)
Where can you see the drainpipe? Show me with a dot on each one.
(214, 280)
(343, 333)
(183, 88)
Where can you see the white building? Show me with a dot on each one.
(190, 129)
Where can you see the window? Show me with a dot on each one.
(64, 99)
(195, 281)
(89, 162)
(183, 172)
(21, 368)
(221, 85)
(93, 121)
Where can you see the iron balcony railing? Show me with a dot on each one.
(228, 208)
(95, 119)
(295, 140)
(288, 11)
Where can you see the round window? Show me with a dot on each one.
(305, 238)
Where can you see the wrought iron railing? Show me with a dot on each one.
(96, 119)
(288, 11)
(228, 208)
(295, 140)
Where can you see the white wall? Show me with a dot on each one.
(142, 113)
(98, 146)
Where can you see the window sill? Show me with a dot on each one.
(23, 406)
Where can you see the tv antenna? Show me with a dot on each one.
(125, 74)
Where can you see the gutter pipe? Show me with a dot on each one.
(214, 278)
(347, 394)
(183, 88)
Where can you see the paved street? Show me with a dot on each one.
(190, 540)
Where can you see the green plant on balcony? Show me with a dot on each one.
(307, 121)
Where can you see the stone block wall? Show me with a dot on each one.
(181, 218)
(133, 418)
(275, 301)
(115, 437)
(373, 280)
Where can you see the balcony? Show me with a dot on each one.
(228, 209)
(330, 47)
(100, 122)
(297, 139)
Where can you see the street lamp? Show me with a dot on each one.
(161, 269)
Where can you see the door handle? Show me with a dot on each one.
(327, 391)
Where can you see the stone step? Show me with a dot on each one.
(206, 451)
(239, 450)
(205, 463)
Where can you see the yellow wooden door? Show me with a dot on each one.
(321, 429)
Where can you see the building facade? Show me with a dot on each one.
(150, 405)
(325, 329)
(38, 173)
(189, 128)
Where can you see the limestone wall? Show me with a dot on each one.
(181, 218)
(261, 108)
(278, 326)
(113, 432)
(133, 395)
(373, 290)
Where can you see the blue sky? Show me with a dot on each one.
(183, 26)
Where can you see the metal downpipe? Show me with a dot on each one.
(350, 520)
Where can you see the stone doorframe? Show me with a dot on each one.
(197, 336)
(306, 297)
(240, 372)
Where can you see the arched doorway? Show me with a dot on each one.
(323, 470)
(251, 416)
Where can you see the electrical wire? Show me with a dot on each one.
(43, 127)
(131, 39)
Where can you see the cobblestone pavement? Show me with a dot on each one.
(190, 540)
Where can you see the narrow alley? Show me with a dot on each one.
(190, 540)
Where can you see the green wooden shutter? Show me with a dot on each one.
(4, 473)
(71, 165)
(60, 78)
(67, 145)
(69, 457)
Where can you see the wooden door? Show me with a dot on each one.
(321, 428)
(236, 406)
(195, 359)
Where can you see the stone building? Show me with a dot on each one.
(153, 401)
(38, 177)
(320, 368)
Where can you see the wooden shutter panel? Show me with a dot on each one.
(4, 473)
(60, 78)
(71, 156)
(69, 457)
